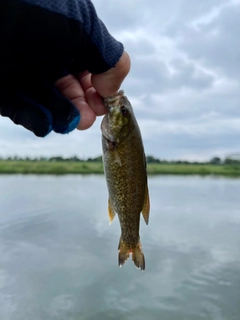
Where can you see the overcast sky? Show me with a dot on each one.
(184, 84)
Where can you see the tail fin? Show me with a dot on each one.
(137, 255)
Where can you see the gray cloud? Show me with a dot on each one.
(184, 82)
(157, 75)
(123, 15)
(154, 16)
(216, 44)
(187, 75)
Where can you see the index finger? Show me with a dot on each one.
(71, 89)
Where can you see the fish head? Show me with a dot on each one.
(119, 120)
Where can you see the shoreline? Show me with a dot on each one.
(86, 167)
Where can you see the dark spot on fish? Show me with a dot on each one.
(124, 111)
(112, 145)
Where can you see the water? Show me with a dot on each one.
(58, 254)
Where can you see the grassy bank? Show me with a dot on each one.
(45, 167)
(198, 169)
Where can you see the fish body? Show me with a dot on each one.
(125, 171)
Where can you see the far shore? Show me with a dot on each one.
(86, 167)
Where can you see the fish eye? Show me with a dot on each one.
(124, 110)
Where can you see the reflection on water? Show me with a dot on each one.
(58, 254)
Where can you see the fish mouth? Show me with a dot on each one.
(114, 100)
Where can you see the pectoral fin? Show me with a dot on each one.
(111, 213)
(146, 206)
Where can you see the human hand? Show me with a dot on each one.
(72, 102)
(45, 52)
(86, 90)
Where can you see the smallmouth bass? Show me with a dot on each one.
(126, 176)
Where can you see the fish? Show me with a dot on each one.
(125, 170)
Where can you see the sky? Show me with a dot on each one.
(184, 83)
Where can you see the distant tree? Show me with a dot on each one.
(75, 159)
(97, 159)
(56, 159)
(231, 161)
(215, 160)
(151, 159)
(43, 159)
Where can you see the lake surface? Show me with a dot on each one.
(58, 254)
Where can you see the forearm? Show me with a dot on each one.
(52, 33)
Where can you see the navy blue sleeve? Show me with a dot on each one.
(52, 34)
(41, 41)
(83, 12)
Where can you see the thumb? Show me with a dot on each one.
(109, 82)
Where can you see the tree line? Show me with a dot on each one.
(214, 161)
(51, 159)
(149, 159)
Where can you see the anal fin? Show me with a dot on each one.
(111, 213)
(146, 206)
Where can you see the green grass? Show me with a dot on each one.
(44, 167)
(197, 169)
